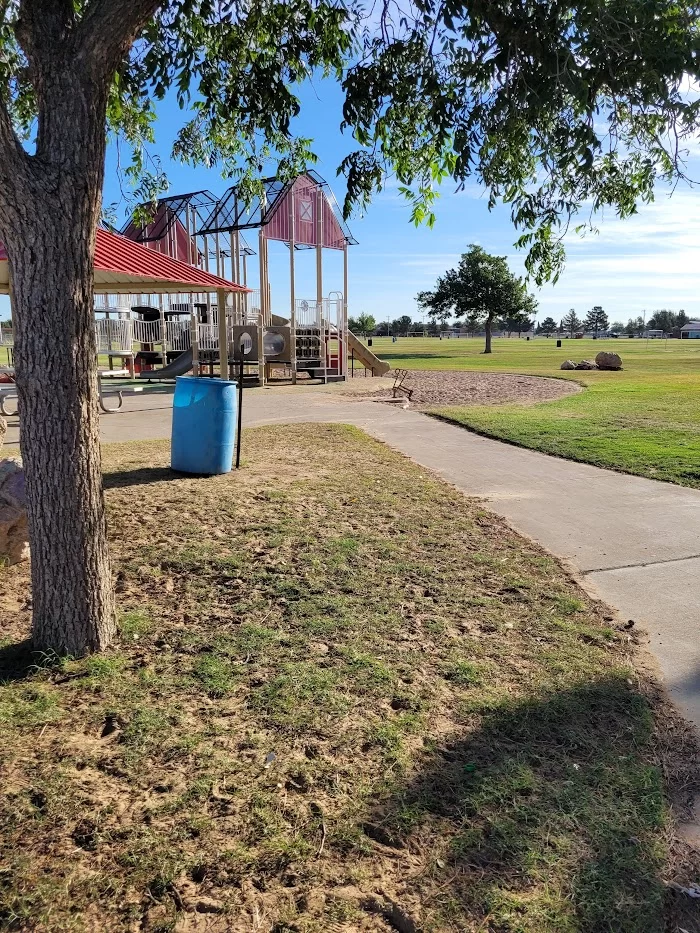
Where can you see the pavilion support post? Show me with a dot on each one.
(263, 306)
(206, 266)
(163, 340)
(319, 246)
(323, 321)
(194, 338)
(223, 334)
(292, 288)
(343, 328)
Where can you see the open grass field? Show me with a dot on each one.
(344, 698)
(644, 420)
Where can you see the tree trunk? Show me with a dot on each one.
(56, 370)
(487, 329)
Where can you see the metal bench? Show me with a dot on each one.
(9, 393)
(119, 391)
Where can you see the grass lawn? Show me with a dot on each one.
(644, 420)
(344, 698)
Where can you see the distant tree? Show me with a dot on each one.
(618, 327)
(681, 318)
(548, 326)
(663, 320)
(432, 329)
(401, 326)
(513, 322)
(635, 325)
(480, 289)
(571, 323)
(406, 324)
(363, 325)
(383, 329)
(596, 320)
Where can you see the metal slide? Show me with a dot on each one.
(366, 357)
(180, 365)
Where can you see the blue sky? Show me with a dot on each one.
(649, 261)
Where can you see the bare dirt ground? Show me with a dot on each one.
(431, 388)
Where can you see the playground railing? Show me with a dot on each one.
(208, 337)
(146, 331)
(114, 335)
(177, 335)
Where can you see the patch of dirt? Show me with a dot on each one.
(435, 388)
(344, 698)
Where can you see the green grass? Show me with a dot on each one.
(643, 420)
(342, 693)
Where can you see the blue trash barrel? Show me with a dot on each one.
(204, 425)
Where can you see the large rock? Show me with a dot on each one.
(607, 360)
(568, 364)
(14, 538)
(587, 364)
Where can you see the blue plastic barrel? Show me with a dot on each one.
(204, 425)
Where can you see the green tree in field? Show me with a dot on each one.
(519, 321)
(596, 320)
(667, 321)
(618, 327)
(402, 325)
(363, 325)
(635, 325)
(548, 326)
(571, 323)
(508, 94)
(478, 291)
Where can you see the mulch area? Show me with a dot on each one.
(431, 388)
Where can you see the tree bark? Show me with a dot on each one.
(55, 359)
(49, 210)
(487, 329)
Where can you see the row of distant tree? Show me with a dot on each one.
(596, 321)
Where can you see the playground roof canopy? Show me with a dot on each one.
(203, 214)
(124, 266)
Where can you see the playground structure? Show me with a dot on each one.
(180, 333)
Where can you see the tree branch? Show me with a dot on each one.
(110, 27)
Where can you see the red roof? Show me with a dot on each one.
(117, 256)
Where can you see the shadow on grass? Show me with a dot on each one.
(407, 353)
(548, 817)
(19, 660)
(141, 477)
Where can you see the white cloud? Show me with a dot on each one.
(650, 260)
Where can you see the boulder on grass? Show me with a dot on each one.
(568, 364)
(587, 364)
(606, 360)
(14, 537)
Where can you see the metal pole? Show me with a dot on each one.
(223, 336)
(240, 407)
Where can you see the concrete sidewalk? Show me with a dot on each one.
(635, 541)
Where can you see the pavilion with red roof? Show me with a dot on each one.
(123, 266)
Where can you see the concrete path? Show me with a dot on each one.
(635, 541)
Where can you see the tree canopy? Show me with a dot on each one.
(596, 320)
(479, 290)
(571, 323)
(549, 105)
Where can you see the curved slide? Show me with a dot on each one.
(180, 365)
(366, 357)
